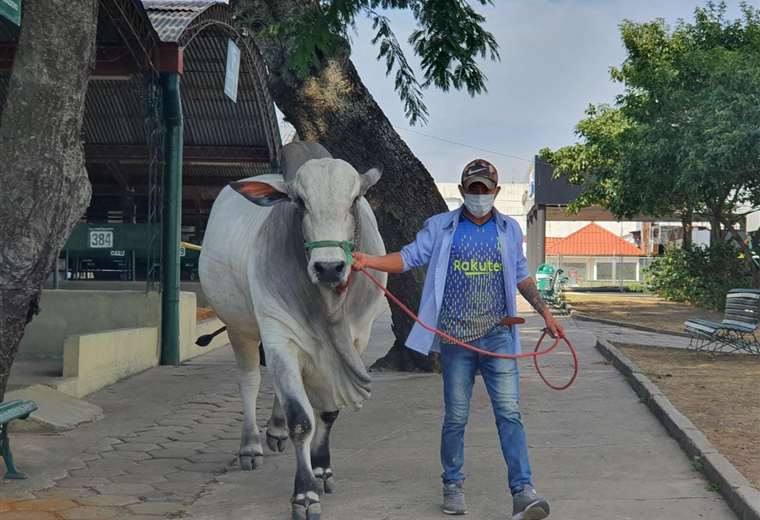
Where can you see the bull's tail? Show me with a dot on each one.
(204, 340)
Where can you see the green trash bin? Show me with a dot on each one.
(544, 276)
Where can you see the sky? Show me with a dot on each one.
(555, 60)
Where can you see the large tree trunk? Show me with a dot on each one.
(44, 183)
(334, 107)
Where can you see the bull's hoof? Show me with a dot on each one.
(251, 462)
(306, 507)
(325, 481)
(276, 443)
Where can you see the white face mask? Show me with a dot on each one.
(479, 205)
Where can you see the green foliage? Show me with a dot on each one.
(684, 137)
(700, 276)
(449, 38)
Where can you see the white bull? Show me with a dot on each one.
(313, 320)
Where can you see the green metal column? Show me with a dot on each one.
(172, 220)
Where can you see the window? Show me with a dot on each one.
(575, 272)
(604, 270)
(626, 271)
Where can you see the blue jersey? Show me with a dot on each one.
(474, 300)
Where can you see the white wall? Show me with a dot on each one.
(753, 221)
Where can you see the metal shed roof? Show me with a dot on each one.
(224, 139)
(171, 18)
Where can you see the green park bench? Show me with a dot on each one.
(17, 409)
(738, 331)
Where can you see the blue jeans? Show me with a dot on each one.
(502, 380)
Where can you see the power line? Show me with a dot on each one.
(463, 145)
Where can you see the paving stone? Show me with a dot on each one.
(179, 488)
(224, 421)
(165, 496)
(210, 467)
(154, 466)
(221, 458)
(125, 488)
(190, 423)
(86, 457)
(97, 472)
(166, 430)
(155, 508)
(64, 492)
(224, 444)
(178, 445)
(138, 446)
(45, 504)
(199, 437)
(139, 478)
(29, 515)
(90, 513)
(170, 453)
(110, 500)
(81, 482)
(126, 455)
(229, 436)
(191, 476)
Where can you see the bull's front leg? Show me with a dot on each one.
(251, 454)
(320, 451)
(299, 417)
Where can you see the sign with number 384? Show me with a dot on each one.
(101, 238)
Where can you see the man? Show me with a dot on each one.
(476, 264)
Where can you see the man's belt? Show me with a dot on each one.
(512, 320)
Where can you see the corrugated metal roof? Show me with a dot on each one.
(116, 109)
(115, 112)
(591, 240)
(171, 18)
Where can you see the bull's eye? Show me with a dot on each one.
(299, 202)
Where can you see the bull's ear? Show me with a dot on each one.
(262, 192)
(369, 179)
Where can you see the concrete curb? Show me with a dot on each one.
(585, 317)
(735, 488)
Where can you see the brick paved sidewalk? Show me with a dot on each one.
(156, 470)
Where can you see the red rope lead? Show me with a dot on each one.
(451, 339)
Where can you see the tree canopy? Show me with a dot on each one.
(684, 137)
(448, 39)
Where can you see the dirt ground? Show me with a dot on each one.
(720, 394)
(640, 309)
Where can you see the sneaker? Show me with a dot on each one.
(453, 499)
(529, 505)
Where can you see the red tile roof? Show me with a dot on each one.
(591, 240)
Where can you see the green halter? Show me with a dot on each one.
(346, 245)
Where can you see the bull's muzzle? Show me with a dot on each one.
(330, 272)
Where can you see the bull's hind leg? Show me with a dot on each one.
(299, 417)
(277, 431)
(246, 350)
(320, 451)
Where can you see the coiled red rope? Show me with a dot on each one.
(450, 339)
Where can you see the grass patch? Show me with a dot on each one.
(648, 310)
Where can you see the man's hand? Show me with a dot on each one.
(530, 292)
(360, 261)
(390, 263)
(556, 330)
